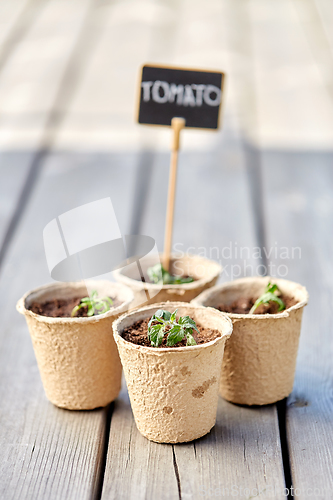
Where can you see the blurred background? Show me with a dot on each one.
(69, 76)
(70, 68)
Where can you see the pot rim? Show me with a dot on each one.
(283, 314)
(165, 350)
(21, 304)
(185, 286)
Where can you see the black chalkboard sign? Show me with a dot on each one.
(191, 94)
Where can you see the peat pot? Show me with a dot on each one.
(260, 357)
(77, 357)
(205, 272)
(174, 390)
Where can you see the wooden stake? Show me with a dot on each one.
(176, 124)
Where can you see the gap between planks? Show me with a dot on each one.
(302, 193)
(21, 204)
(255, 182)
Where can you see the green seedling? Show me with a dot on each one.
(95, 304)
(177, 330)
(269, 295)
(160, 276)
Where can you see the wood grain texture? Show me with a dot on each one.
(47, 452)
(299, 211)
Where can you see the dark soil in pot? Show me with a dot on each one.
(137, 334)
(62, 308)
(244, 304)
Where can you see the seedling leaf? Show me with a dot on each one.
(95, 305)
(190, 339)
(269, 295)
(160, 276)
(156, 335)
(173, 315)
(176, 334)
(163, 322)
(188, 322)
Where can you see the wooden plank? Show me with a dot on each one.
(240, 457)
(13, 178)
(47, 452)
(299, 210)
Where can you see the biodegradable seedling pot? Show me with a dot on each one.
(77, 357)
(205, 272)
(260, 357)
(173, 390)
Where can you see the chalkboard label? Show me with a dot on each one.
(191, 94)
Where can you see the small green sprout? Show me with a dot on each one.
(160, 276)
(269, 296)
(177, 332)
(95, 305)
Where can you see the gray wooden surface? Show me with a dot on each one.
(68, 73)
(299, 214)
